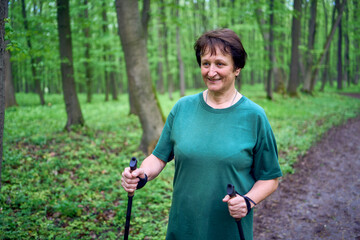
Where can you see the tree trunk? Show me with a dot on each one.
(295, 41)
(252, 74)
(106, 49)
(168, 74)
(339, 49)
(10, 99)
(145, 17)
(113, 86)
(279, 71)
(326, 47)
(356, 42)
(3, 15)
(160, 68)
(73, 110)
(32, 59)
(277, 74)
(137, 67)
(269, 93)
(260, 18)
(88, 72)
(179, 57)
(327, 57)
(310, 47)
(347, 48)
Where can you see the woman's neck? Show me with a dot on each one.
(222, 100)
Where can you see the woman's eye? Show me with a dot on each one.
(205, 64)
(220, 64)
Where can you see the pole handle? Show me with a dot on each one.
(133, 166)
(133, 163)
(231, 190)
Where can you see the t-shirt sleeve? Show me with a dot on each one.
(164, 149)
(266, 164)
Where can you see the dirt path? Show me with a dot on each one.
(322, 199)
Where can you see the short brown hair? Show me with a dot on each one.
(228, 42)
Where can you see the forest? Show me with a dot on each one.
(108, 70)
(269, 31)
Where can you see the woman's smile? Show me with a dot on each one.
(218, 71)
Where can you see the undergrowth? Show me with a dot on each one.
(64, 185)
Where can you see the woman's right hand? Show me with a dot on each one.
(129, 179)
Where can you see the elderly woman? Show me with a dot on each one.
(216, 137)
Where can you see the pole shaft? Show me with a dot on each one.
(128, 216)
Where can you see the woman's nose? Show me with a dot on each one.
(212, 71)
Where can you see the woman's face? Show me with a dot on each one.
(218, 72)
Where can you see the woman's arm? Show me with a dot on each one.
(261, 190)
(152, 166)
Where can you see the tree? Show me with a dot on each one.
(88, 70)
(179, 56)
(73, 110)
(356, 42)
(10, 99)
(137, 67)
(145, 17)
(327, 56)
(339, 52)
(160, 68)
(32, 58)
(347, 47)
(279, 71)
(310, 47)
(295, 41)
(168, 74)
(326, 46)
(108, 57)
(275, 73)
(106, 48)
(3, 16)
(269, 93)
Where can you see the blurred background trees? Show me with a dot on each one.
(299, 45)
(266, 29)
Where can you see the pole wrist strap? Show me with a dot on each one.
(142, 182)
(247, 201)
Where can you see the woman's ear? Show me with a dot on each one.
(237, 72)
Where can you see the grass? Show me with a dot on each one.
(67, 185)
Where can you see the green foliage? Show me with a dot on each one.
(64, 185)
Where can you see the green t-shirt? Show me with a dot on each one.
(212, 148)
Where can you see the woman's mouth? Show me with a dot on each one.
(214, 80)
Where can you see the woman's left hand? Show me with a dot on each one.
(237, 206)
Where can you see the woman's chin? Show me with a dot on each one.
(214, 86)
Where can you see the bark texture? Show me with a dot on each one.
(295, 41)
(137, 67)
(10, 99)
(315, 72)
(310, 48)
(87, 64)
(3, 15)
(32, 58)
(73, 110)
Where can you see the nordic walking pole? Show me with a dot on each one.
(231, 192)
(133, 166)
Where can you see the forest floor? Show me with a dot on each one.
(321, 200)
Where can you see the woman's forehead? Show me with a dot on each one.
(215, 51)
